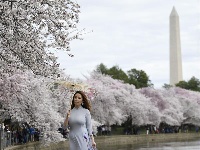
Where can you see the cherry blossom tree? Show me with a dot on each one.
(190, 101)
(168, 105)
(28, 28)
(41, 102)
(115, 101)
(27, 99)
(38, 101)
(176, 106)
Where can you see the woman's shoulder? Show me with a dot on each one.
(86, 110)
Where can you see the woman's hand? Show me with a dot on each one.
(93, 144)
(66, 119)
(68, 114)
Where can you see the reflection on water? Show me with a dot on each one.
(189, 145)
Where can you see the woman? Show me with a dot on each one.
(79, 121)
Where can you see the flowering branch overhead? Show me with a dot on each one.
(29, 28)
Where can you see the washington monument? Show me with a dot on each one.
(175, 49)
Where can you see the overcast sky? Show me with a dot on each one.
(134, 34)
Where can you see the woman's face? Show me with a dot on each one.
(78, 100)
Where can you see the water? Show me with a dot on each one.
(187, 145)
(192, 145)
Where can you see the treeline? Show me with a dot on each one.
(192, 84)
(140, 79)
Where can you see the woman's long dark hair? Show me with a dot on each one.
(86, 103)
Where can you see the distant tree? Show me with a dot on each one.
(102, 69)
(192, 84)
(136, 77)
(182, 84)
(167, 86)
(139, 78)
(117, 73)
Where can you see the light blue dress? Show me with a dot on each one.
(80, 129)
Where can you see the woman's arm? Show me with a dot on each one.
(93, 142)
(89, 127)
(66, 119)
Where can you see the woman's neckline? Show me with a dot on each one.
(78, 107)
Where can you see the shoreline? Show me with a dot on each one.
(135, 140)
(104, 142)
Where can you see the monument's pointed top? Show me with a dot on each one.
(174, 12)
